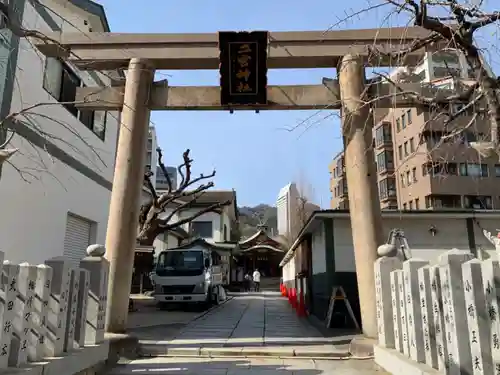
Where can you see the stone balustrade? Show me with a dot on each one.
(52, 315)
(444, 316)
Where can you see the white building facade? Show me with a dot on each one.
(213, 227)
(286, 206)
(324, 251)
(55, 194)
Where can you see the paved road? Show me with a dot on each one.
(246, 366)
(246, 321)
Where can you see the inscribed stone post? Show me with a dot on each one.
(428, 323)
(396, 310)
(58, 303)
(41, 344)
(10, 285)
(74, 287)
(402, 311)
(491, 283)
(455, 318)
(81, 315)
(23, 315)
(477, 319)
(413, 309)
(98, 268)
(438, 314)
(383, 267)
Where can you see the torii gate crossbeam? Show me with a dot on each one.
(348, 50)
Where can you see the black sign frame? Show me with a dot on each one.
(243, 68)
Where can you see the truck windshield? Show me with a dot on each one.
(180, 263)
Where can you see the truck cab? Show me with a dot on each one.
(187, 275)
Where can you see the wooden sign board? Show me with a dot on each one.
(338, 294)
(243, 68)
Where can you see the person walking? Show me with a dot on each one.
(247, 282)
(256, 280)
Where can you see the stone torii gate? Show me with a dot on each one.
(142, 54)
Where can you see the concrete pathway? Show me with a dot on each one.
(248, 325)
(245, 366)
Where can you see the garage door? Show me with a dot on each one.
(76, 238)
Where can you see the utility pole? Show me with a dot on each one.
(364, 206)
(126, 194)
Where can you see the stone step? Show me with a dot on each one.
(326, 351)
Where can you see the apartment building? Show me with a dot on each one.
(422, 163)
(161, 179)
(151, 154)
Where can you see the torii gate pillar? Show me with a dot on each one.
(364, 207)
(126, 194)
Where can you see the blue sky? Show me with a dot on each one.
(250, 151)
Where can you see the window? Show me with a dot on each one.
(405, 207)
(441, 72)
(61, 82)
(412, 145)
(411, 205)
(383, 135)
(439, 169)
(202, 229)
(497, 170)
(400, 152)
(385, 161)
(403, 121)
(343, 186)
(408, 116)
(414, 174)
(417, 204)
(480, 202)
(398, 125)
(387, 188)
(443, 201)
(446, 58)
(402, 176)
(473, 170)
(408, 178)
(406, 148)
(99, 125)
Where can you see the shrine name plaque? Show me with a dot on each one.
(243, 68)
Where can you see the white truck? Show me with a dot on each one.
(188, 275)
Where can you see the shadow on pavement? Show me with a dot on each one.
(243, 366)
(210, 366)
(248, 320)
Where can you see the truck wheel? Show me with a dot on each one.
(215, 295)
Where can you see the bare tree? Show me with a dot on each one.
(155, 219)
(455, 29)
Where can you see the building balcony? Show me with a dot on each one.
(385, 169)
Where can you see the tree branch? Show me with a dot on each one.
(458, 35)
(189, 219)
(152, 222)
(164, 169)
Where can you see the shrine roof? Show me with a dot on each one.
(262, 238)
